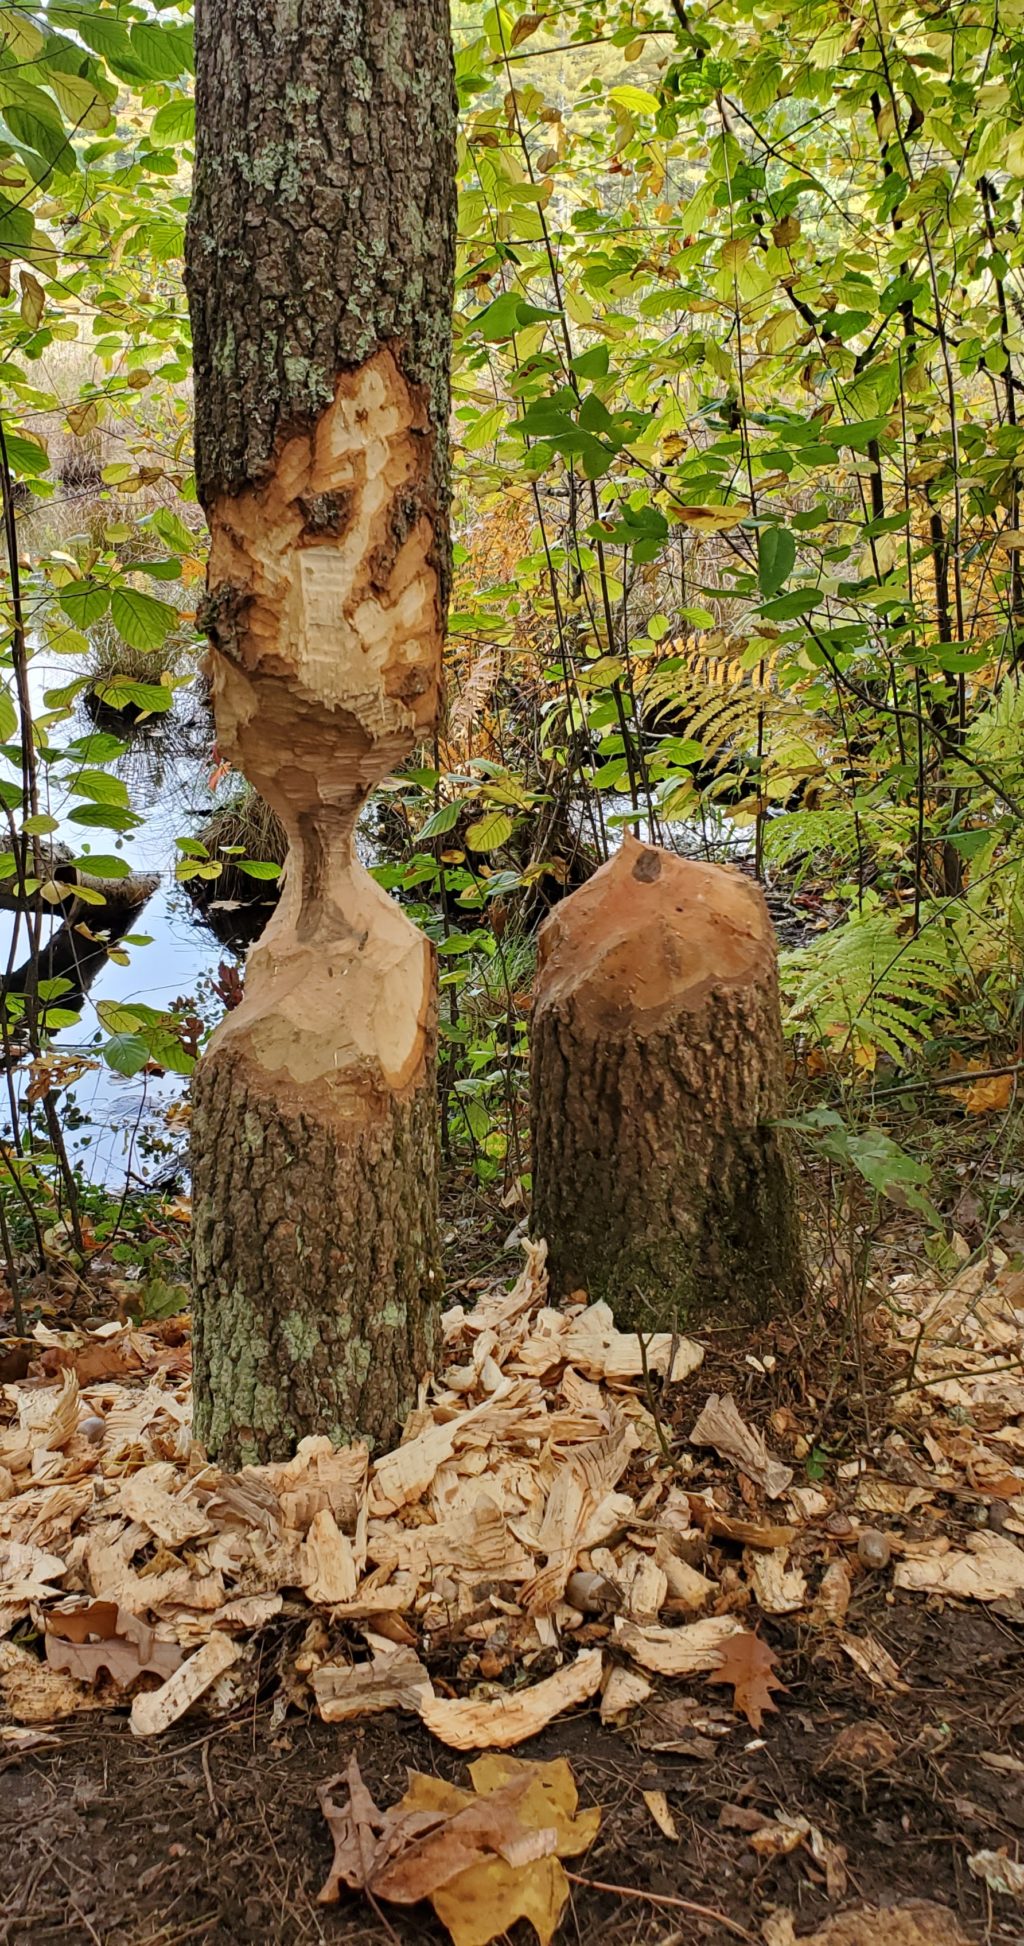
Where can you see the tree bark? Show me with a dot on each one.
(659, 1179)
(319, 268)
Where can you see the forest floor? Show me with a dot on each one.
(880, 1803)
(217, 1834)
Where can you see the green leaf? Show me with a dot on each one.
(127, 1054)
(175, 122)
(141, 620)
(163, 53)
(442, 820)
(258, 867)
(103, 865)
(776, 558)
(83, 602)
(104, 817)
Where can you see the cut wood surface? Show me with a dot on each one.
(321, 457)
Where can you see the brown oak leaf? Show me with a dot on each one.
(748, 1666)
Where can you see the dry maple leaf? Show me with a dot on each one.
(748, 1666)
(483, 1858)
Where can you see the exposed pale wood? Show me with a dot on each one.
(319, 267)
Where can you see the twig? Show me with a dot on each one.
(663, 1898)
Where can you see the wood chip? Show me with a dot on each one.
(688, 1651)
(502, 1722)
(720, 1425)
(394, 1681)
(157, 1709)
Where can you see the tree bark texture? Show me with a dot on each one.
(659, 1179)
(319, 269)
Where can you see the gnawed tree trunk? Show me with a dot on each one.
(657, 1071)
(320, 256)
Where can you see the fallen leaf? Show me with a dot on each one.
(999, 1872)
(158, 1708)
(624, 1690)
(779, 1590)
(833, 1597)
(500, 1722)
(657, 1804)
(918, 1923)
(484, 1858)
(861, 1747)
(122, 1647)
(33, 1693)
(986, 1097)
(750, 1533)
(329, 1566)
(747, 1665)
(720, 1425)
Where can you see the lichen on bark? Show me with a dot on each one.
(320, 261)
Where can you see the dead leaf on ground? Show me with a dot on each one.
(873, 1661)
(121, 1646)
(750, 1533)
(862, 1748)
(999, 1872)
(748, 1665)
(688, 1651)
(657, 1804)
(833, 1597)
(720, 1425)
(395, 1681)
(484, 1858)
(918, 1923)
(624, 1689)
(33, 1693)
(779, 1589)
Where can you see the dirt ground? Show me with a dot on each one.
(217, 1834)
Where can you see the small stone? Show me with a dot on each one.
(998, 1515)
(873, 1549)
(93, 1429)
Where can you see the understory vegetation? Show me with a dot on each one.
(738, 451)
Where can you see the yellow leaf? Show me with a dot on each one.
(33, 299)
(657, 1804)
(989, 1096)
(735, 253)
(707, 520)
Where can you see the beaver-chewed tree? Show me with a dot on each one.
(660, 1178)
(319, 271)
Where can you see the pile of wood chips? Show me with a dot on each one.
(529, 1546)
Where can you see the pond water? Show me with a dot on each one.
(117, 1128)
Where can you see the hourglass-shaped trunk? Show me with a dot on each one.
(319, 274)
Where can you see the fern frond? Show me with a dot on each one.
(870, 983)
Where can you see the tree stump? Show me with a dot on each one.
(659, 1178)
